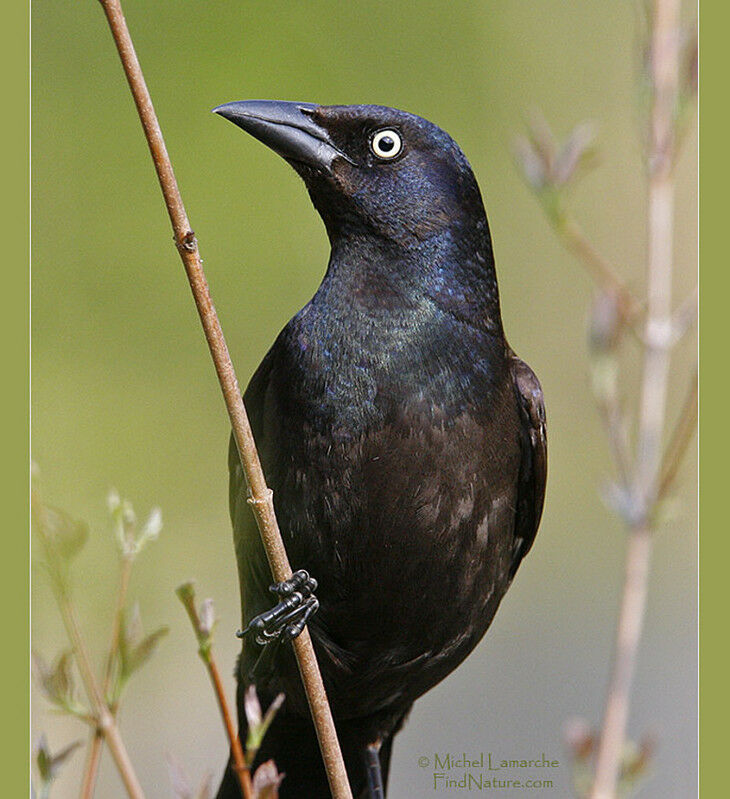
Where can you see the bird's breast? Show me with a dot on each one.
(347, 371)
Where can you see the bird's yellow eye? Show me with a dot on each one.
(386, 144)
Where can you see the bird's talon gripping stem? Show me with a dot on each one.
(287, 619)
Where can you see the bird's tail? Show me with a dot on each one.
(291, 743)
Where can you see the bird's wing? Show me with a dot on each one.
(533, 466)
(254, 572)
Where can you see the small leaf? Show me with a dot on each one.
(42, 672)
(258, 726)
(181, 782)
(43, 759)
(133, 631)
(186, 593)
(266, 781)
(271, 712)
(56, 681)
(203, 620)
(207, 617)
(124, 521)
(252, 707)
(62, 679)
(623, 502)
(637, 759)
(135, 649)
(48, 764)
(205, 791)
(543, 140)
(689, 63)
(150, 530)
(68, 534)
(178, 778)
(129, 517)
(580, 738)
(606, 321)
(144, 651)
(113, 501)
(549, 167)
(576, 155)
(533, 167)
(62, 756)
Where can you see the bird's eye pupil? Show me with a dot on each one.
(386, 143)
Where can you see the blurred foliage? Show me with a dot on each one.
(48, 765)
(266, 778)
(548, 167)
(182, 787)
(62, 539)
(258, 722)
(636, 764)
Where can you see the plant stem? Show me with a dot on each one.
(103, 717)
(124, 577)
(628, 634)
(91, 770)
(186, 595)
(653, 396)
(598, 267)
(261, 497)
(679, 441)
(239, 761)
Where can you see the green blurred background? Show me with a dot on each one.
(124, 393)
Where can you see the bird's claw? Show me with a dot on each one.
(287, 619)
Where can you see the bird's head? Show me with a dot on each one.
(370, 168)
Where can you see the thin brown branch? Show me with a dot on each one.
(91, 768)
(239, 761)
(653, 393)
(628, 635)
(260, 495)
(654, 387)
(680, 439)
(96, 743)
(203, 633)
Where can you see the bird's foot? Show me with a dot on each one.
(287, 619)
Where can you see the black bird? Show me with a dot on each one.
(402, 437)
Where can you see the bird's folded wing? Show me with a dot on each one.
(533, 467)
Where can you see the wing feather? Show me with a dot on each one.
(533, 466)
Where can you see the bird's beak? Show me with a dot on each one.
(288, 128)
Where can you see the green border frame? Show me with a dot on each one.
(14, 583)
(714, 291)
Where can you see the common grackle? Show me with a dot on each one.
(402, 437)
